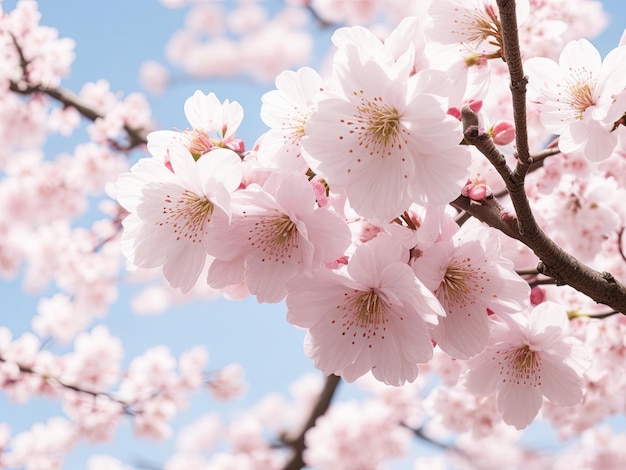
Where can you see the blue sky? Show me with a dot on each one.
(113, 38)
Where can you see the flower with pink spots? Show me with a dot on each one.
(469, 276)
(374, 316)
(173, 212)
(277, 232)
(213, 126)
(530, 357)
(579, 98)
(385, 137)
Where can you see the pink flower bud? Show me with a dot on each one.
(502, 132)
(537, 295)
(320, 192)
(476, 190)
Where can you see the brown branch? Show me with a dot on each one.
(323, 403)
(555, 262)
(490, 212)
(513, 58)
(51, 380)
(136, 137)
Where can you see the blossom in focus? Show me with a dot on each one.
(581, 98)
(473, 26)
(385, 137)
(373, 316)
(531, 356)
(469, 275)
(277, 232)
(172, 212)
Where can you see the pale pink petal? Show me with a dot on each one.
(519, 405)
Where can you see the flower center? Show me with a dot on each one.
(479, 26)
(521, 366)
(580, 90)
(187, 215)
(277, 238)
(369, 309)
(455, 282)
(198, 142)
(382, 123)
(284, 229)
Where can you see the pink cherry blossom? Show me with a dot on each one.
(373, 316)
(530, 357)
(277, 232)
(577, 97)
(286, 110)
(469, 275)
(385, 138)
(213, 124)
(355, 437)
(173, 212)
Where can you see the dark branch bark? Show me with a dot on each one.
(136, 137)
(555, 262)
(513, 57)
(323, 403)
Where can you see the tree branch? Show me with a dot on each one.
(513, 58)
(136, 137)
(323, 403)
(127, 408)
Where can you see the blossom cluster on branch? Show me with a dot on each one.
(438, 207)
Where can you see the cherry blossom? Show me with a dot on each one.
(213, 125)
(173, 211)
(374, 316)
(469, 276)
(286, 110)
(373, 139)
(425, 254)
(530, 357)
(577, 97)
(277, 233)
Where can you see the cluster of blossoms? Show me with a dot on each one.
(340, 209)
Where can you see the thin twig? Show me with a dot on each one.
(136, 137)
(56, 381)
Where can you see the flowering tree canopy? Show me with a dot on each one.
(435, 204)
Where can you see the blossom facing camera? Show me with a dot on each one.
(531, 357)
(374, 316)
(578, 98)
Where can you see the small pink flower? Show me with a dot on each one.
(371, 317)
(531, 356)
(469, 276)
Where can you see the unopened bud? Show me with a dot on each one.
(502, 132)
(537, 295)
(476, 190)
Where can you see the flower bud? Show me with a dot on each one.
(476, 190)
(502, 132)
